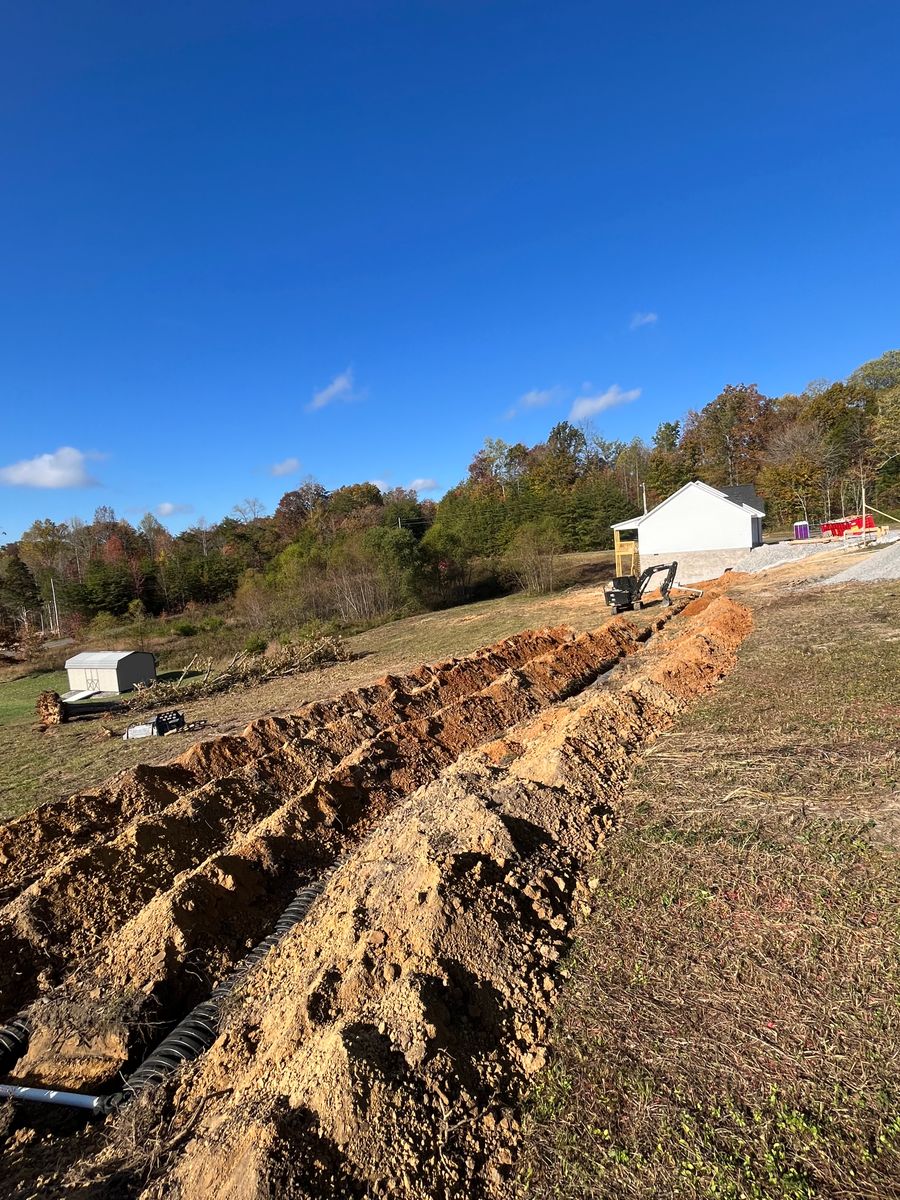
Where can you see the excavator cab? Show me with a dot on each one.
(627, 591)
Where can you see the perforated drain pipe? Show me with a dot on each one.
(13, 1042)
(188, 1039)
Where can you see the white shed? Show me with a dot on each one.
(110, 670)
(705, 529)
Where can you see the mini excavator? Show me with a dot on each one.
(627, 591)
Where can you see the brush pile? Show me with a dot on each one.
(244, 669)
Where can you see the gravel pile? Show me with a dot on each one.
(761, 558)
(873, 568)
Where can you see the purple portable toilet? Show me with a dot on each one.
(801, 531)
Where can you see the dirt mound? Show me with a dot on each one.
(149, 902)
(55, 829)
(383, 1048)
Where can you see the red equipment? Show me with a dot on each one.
(853, 524)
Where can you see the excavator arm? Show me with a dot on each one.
(664, 588)
(626, 591)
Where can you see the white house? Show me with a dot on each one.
(109, 670)
(704, 529)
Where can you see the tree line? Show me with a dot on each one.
(359, 553)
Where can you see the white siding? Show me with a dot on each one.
(109, 671)
(695, 520)
(109, 679)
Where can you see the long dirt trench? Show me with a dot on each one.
(383, 1047)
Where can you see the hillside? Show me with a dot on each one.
(477, 1001)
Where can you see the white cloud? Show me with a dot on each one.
(168, 509)
(638, 319)
(589, 406)
(423, 485)
(537, 398)
(381, 484)
(341, 388)
(65, 468)
(287, 467)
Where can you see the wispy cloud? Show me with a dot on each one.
(537, 398)
(589, 406)
(341, 388)
(64, 468)
(381, 484)
(639, 319)
(424, 485)
(287, 467)
(168, 509)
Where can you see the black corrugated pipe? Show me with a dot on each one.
(188, 1039)
(200, 1027)
(13, 1042)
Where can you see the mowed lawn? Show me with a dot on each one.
(18, 697)
(730, 1026)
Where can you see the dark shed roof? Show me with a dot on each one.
(745, 493)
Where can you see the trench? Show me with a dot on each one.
(402, 1067)
(59, 827)
(176, 898)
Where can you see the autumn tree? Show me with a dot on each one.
(794, 475)
(249, 510)
(667, 467)
(44, 549)
(296, 507)
(726, 439)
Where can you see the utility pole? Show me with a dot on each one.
(55, 605)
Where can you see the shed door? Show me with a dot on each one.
(92, 677)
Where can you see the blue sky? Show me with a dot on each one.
(361, 237)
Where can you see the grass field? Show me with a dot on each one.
(18, 697)
(731, 1025)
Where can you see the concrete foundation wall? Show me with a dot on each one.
(694, 565)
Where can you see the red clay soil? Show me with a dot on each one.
(54, 829)
(150, 918)
(384, 1047)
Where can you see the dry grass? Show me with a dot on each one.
(731, 1027)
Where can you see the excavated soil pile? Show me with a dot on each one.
(384, 1047)
(124, 933)
(28, 844)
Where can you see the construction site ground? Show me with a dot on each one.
(35, 767)
(533, 971)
